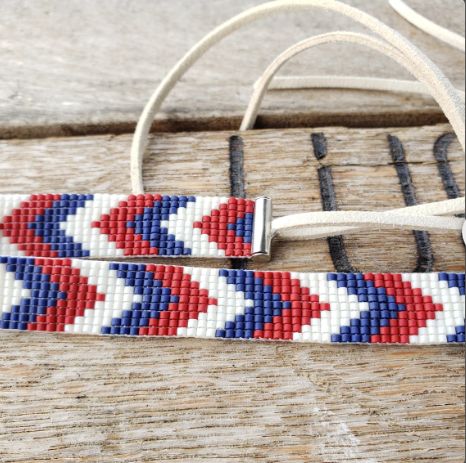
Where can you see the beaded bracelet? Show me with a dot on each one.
(110, 226)
(102, 298)
(71, 225)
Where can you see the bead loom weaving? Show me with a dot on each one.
(46, 287)
(101, 298)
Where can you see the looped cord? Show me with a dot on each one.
(370, 83)
(321, 224)
(309, 225)
(440, 87)
(362, 39)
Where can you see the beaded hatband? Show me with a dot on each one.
(68, 226)
(77, 296)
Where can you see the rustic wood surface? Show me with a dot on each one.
(81, 66)
(76, 399)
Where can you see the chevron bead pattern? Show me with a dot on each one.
(101, 298)
(77, 226)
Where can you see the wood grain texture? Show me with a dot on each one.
(81, 67)
(87, 399)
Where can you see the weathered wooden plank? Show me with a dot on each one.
(92, 399)
(78, 67)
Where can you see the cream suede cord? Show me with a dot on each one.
(350, 83)
(320, 224)
(439, 86)
(308, 225)
(351, 37)
(312, 231)
(445, 35)
(377, 220)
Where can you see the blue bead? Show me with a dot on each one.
(258, 326)
(346, 338)
(220, 334)
(356, 338)
(345, 330)
(249, 334)
(366, 338)
(365, 330)
(460, 330)
(336, 338)
(460, 338)
(443, 276)
(355, 322)
(451, 338)
(105, 330)
(332, 277)
(230, 325)
(375, 331)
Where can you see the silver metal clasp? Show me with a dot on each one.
(262, 230)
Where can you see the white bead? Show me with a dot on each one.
(182, 332)
(326, 337)
(306, 336)
(210, 333)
